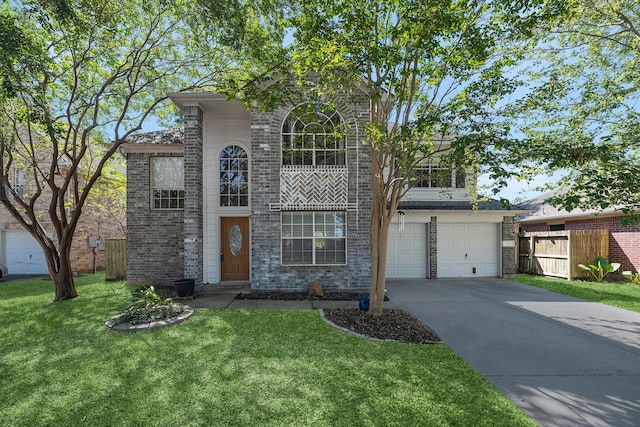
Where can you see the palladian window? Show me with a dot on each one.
(313, 135)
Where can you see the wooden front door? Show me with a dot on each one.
(234, 248)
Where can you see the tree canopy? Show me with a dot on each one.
(77, 74)
(579, 110)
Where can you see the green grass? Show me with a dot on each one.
(60, 366)
(618, 294)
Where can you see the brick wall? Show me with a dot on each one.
(155, 237)
(266, 269)
(508, 252)
(433, 248)
(193, 195)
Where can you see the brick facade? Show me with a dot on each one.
(193, 195)
(155, 237)
(267, 271)
(166, 245)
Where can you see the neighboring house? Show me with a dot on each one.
(280, 199)
(22, 254)
(624, 241)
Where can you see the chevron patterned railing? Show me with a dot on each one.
(314, 187)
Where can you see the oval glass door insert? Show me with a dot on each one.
(235, 240)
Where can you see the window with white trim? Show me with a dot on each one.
(436, 173)
(167, 183)
(234, 176)
(314, 238)
(313, 135)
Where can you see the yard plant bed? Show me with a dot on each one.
(393, 324)
(302, 296)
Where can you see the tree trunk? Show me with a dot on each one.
(62, 277)
(378, 241)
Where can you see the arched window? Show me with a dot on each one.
(234, 176)
(313, 135)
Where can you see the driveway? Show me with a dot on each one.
(15, 277)
(564, 361)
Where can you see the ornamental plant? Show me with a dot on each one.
(149, 307)
(631, 277)
(600, 268)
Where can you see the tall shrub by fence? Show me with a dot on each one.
(558, 253)
(116, 262)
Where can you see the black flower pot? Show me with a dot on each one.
(184, 287)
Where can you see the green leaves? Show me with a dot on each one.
(578, 111)
(77, 74)
(600, 268)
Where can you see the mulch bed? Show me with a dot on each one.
(302, 296)
(392, 324)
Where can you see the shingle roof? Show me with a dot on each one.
(165, 136)
(456, 205)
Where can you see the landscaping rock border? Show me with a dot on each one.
(126, 327)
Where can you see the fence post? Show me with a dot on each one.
(532, 247)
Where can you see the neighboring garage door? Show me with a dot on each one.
(465, 247)
(407, 252)
(24, 255)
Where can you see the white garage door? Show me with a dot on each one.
(407, 252)
(24, 255)
(467, 250)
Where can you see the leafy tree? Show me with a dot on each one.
(579, 113)
(431, 68)
(79, 73)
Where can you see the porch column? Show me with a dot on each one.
(193, 216)
(433, 248)
(508, 247)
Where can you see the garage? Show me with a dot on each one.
(23, 253)
(407, 252)
(468, 250)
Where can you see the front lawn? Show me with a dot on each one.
(60, 366)
(618, 294)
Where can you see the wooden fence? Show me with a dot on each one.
(116, 262)
(558, 253)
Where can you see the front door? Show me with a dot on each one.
(234, 248)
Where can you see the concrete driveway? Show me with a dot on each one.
(564, 361)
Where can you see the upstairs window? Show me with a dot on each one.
(234, 176)
(167, 183)
(313, 135)
(435, 173)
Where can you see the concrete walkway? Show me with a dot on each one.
(564, 361)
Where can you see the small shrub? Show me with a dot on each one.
(147, 306)
(631, 277)
(600, 268)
